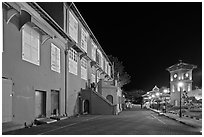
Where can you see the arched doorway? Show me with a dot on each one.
(86, 106)
(110, 98)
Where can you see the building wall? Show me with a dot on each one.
(180, 74)
(175, 90)
(100, 106)
(110, 91)
(76, 83)
(28, 77)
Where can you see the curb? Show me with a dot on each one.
(160, 113)
(195, 118)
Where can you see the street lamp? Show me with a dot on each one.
(157, 94)
(180, 85)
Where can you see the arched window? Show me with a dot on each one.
(110, 98)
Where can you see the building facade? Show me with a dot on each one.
(180, 73)
(47, 60)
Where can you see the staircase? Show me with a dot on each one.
(98, 105)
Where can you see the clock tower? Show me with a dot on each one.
(181, 72)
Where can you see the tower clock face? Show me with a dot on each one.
(175, 75)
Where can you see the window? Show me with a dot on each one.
(93, 77)
(73, 54)
(73, 27)
(104, 64)
(93, 52)
(175, 75)
(109, 70)
(84, 68)
(102, 61)
(84, 39)
(189, 87)
(171, 78)
(173, 90)
(84, 63)
(73, 59)
(186, 76)
(97, 57)
(30, 45)
(55, 58)
(98, 76)
(106, 67)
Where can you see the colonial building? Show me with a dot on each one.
(48, 60)
(180, 73)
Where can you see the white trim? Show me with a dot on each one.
(30, 43)
(73, 30)
(55, 58)
(84, 39)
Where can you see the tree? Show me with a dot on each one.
(120, 75)
(137, 95)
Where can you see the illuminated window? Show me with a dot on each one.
(93, 52)
(73, 54)
(189, 87)
(30, 45)
(55, 58)
(175, 75)
(182, 76)
(93, 77)
(73, 27)
(84, 39)
(171, 78)
(73, 60)
(84, 68)
(173, 90)
(98, 76)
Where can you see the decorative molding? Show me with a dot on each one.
(10, 14)
(24, 17)
(48, 37)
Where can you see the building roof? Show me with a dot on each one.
(181, 65)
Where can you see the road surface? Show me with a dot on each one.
(135, 121)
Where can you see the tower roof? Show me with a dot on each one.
(181, 65)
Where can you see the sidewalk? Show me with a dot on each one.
(184, 120)
(16, 129)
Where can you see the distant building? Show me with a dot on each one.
(181, 72)
(197, 93)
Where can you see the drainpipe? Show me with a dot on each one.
(66, 79)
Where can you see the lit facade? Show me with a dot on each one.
(47, 60)
(181, 72)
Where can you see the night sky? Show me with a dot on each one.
(148, 37)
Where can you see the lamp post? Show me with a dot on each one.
(180, 85)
